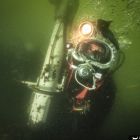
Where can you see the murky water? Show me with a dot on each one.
(125, 113)
(25, 29)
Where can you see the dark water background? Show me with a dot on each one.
(25, 29)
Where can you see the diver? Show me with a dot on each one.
(91, 59)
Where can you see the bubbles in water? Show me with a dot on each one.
(123, 13)
(124, 42)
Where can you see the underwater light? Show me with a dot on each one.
(86, 28)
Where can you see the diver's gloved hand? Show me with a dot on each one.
(103, 27)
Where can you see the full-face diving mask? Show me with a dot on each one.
(92, 54)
